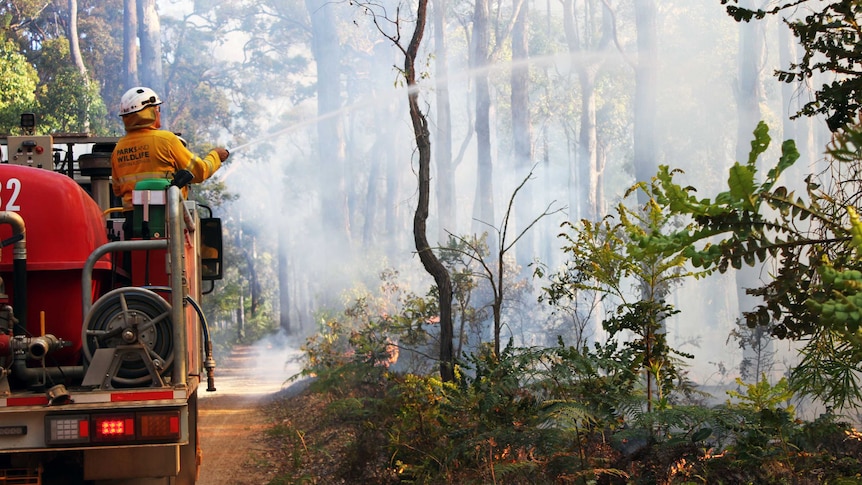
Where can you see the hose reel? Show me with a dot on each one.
(136, 323)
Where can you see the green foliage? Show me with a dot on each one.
(762, 395)
(814, 240)
(359, 344)
(64, 100)
(606, 258)
(17, 87)
(69, 103)
(545, 415)
(649, 348)
(828, 34)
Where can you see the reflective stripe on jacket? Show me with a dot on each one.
(148, 153)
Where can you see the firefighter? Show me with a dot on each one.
(147, 152)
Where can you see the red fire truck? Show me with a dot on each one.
(103, 343)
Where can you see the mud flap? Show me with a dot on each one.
(190, 453)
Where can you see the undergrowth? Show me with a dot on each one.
(555, 415)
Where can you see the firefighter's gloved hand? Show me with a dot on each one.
(222, 153)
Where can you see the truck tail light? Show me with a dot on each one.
(159, 425)
(62, 430)
(116, 427)
(119, 428)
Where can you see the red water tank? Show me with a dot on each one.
(63, 226)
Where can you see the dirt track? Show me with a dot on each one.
(232, 424)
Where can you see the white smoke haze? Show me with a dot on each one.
(278, 178)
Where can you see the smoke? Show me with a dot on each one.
(277, 175)
(260, 370)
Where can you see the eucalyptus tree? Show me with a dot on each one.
(522, 146)
(391, 28)
(72, 35)
(443, 127)
(227, 91)
(646, 92)
(483, 202)
(149, 40)
(327, 49)
(587, 42)
(130, 43)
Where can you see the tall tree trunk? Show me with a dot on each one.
(645, 158)
(587, 158)
(78, 59)
(130, 44)
(522, 131)
(443, 134)
(423, 143)
(149, 33)
(284, 285)
(392, 210)
(646, 89)
(72, 34)
(585, 174)
(331, 145)
(383, 158)
(254, 287)
(378, 159)
(483, 211)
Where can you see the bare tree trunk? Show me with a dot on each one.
(423, 143)
(77, 58)
(330, 132)
(586, 172)
(392, 205)
(379, 157)
(483, 210)
(522, 128)
(645, 160)
(284, 304)
(646, 89)
(130, 44)
(149, 33)
(253, 280)
(587, 142)
(72, 34)
(443, 134)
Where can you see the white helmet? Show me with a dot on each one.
(137, 99)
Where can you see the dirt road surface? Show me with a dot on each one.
(232, 424)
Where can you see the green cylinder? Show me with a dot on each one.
(149, 200)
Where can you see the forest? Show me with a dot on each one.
(583, 241)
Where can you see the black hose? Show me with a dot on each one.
(209, 361)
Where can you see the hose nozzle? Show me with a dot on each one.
(209, 365)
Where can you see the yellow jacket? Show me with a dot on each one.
(147, 152)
